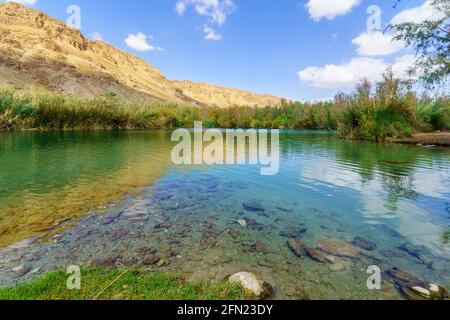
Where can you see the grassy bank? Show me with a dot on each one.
(133, 285)
(374, 114)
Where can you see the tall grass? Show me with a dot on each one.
(390, 109)
(40, 109)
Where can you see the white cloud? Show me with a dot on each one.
(139, 42)
(377, 44)
(330, 9)
(402, 65)
(25, 2)
(180, 8)
(418, 14)
(216, 10)
(211, 34)
(348, 74)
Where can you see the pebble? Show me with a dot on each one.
(151, 260)
(20, 270)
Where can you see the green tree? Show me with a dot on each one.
(431, 41)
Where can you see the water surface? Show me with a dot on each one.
(115, 198)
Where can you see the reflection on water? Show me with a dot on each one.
(46, 178)
(397, 197)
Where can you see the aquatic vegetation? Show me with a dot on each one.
(446, 237)
(391, 111)
(132, 285)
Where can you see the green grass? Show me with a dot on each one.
(133, 285)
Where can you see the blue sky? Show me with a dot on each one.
(282, 47)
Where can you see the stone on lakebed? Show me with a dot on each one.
(340, 249)
(151, 260)
(296, 247)
(316, 255)
(253, 206)
(20, 270)
(293, 232)
(364, 243)
(431, 292)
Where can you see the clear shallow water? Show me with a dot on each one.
(108, 197)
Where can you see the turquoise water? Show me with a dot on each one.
(110, 197)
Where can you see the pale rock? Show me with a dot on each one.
(251, 283)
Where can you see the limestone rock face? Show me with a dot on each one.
(251, 283)
(39, 51)
(225, 97)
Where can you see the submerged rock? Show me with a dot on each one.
(390, 231)
(253, 206)
(364, 243)
(105, 262)
(249, 281)
(296, 247)
(285, 209)
(162, 225)
(316, 255)
(403, 278)
(338, 266)
(341, 249)
(138, 217)
(293, 232)
(242, 223)
(417, 252)
(118, 234)
(106, 221)
(233, 233)
(151, 260)
(430, 292)
(438, 292)
(253, 224)
(143, 251)
(393, 253)
(260, 247)
(20, 270)
(266, 263)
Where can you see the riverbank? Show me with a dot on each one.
(359, 116)
(426, 139)
(102, 284)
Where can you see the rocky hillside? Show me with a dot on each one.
(224, 97)
(37, 50)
